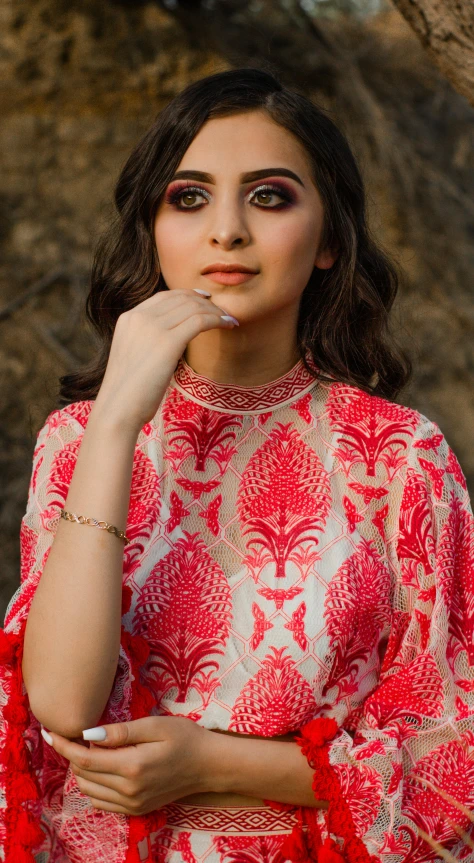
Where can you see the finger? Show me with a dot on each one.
(108, 780)
(177, 316)
(109, 807)
(199, 323)
(101, 792)
(87, 759)
(163, 300)
(145, 730)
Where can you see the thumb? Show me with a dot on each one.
(123, 733)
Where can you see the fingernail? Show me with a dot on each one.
(46, 736)
(204, 293)
(97, 733)
(230, 318)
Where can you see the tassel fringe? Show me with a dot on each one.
(304, 844)
(22, 831)
(141, 704)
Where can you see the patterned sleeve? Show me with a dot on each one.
(54, 459)
(25, 771)
(407, 774)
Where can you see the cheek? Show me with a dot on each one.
(293, 244)
(165, 236)
(176, 246)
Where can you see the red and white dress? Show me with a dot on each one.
(300, 551)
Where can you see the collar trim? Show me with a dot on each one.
(231, 398)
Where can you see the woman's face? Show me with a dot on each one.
(228, 217)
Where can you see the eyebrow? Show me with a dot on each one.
(244, 178)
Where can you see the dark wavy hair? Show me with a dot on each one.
(343, 316)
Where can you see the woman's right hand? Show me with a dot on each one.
(147, 344)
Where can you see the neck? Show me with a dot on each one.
(232, 357)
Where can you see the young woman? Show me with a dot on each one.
(272, 652)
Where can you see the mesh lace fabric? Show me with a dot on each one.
(314, 547)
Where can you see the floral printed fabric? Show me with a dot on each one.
(299, 550)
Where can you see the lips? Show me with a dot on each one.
(227, 268)
(236, 277)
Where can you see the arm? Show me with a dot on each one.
(265, 769)
(408, 773)
(73, 604)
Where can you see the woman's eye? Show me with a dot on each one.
(267, 192)
(183, 199)
(183, 195)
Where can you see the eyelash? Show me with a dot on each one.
(175, 196)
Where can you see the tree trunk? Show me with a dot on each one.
(446, 29)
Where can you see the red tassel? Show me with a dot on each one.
(140, 649)
(155, 820)
(330, 853)
(126, 598)
(23, 786)
(356, 852)
(8, 645)
(320, 731)
(132, 854)
(28, 831)
(136, 646)
(16, 712)
(279, 807)
(16, 758)
(20, 855)
(136, 832)
(313, 837)
(22, 833)
(313, 740)
(294, 847)
(141, 704)
(147, 701)
(149, 858)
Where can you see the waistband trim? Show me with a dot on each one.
(233, 820)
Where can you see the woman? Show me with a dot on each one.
(290, 552)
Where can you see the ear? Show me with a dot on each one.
(326, 259)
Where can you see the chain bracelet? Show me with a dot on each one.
(92, 522)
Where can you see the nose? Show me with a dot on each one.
(228, 225)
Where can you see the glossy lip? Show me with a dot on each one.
(227, 268)
(229, 278)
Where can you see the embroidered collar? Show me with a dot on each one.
(231, 398)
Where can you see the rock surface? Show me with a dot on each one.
(82, 81)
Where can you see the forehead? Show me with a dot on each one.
(244, 142)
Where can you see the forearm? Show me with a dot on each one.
(265, 769)
(72, 635)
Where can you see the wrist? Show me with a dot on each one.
(104, 416)
(219, 770)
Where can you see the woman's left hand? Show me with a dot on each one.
(159, 760)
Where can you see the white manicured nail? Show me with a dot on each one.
(97, 733)
(230, 318)
(204, 293)
(46, 736)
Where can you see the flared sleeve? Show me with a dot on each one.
(21, 763)
(401, 787)
(34, 781)
(54, 460)
(31, 775)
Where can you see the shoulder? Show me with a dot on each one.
(398, 434)
(74, 416)
(347, 403)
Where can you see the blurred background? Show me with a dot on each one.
(82, 81)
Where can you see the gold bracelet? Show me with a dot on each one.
(103, 525)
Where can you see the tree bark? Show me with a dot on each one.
(446, 29)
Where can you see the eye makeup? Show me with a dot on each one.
(177, 190)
